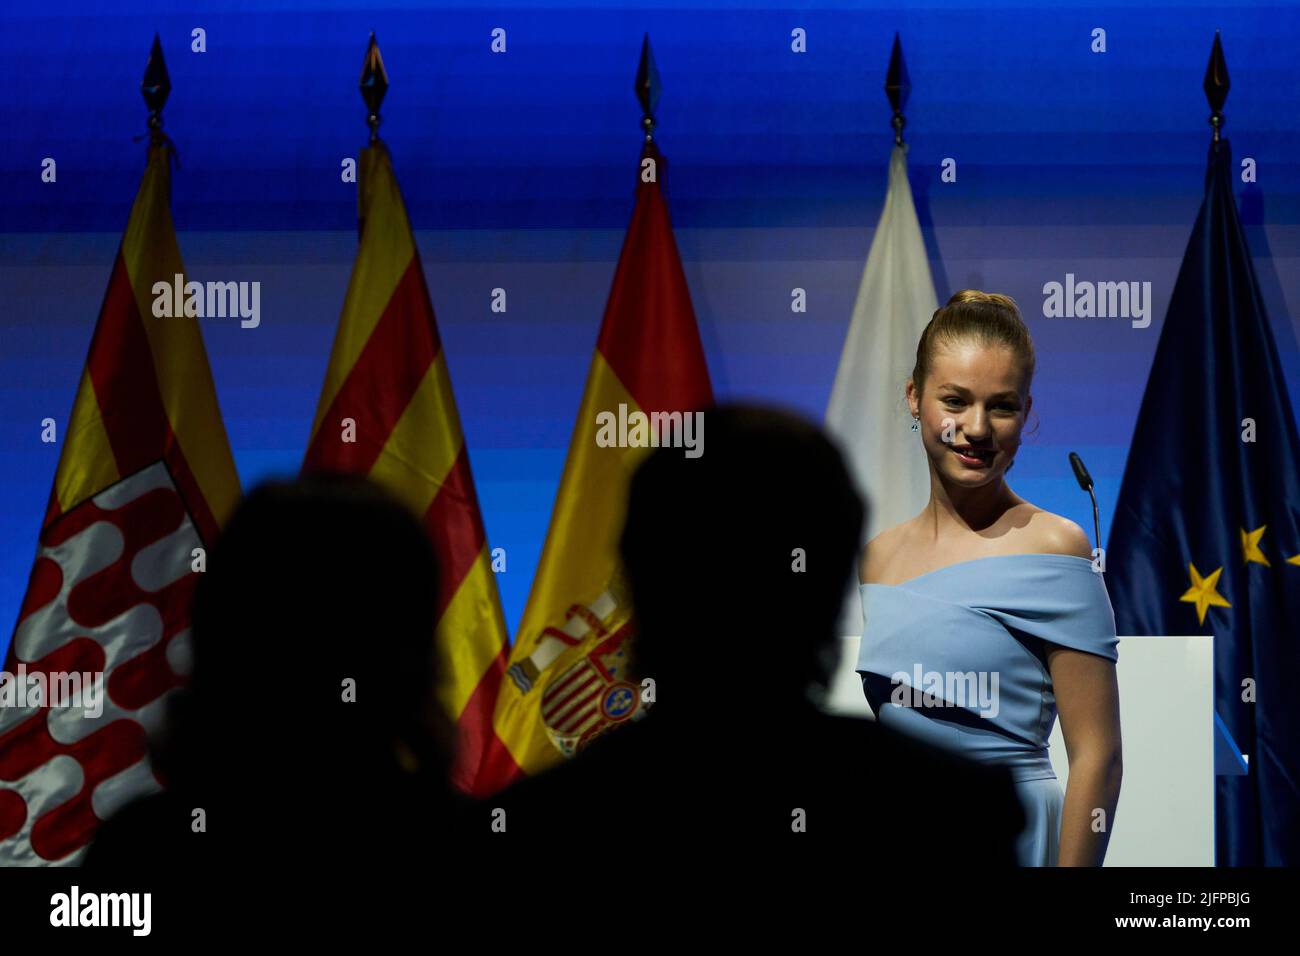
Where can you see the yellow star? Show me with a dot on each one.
(1202, 592)
(1250, 546)
(1294, 559)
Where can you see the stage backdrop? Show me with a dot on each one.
(518, 169)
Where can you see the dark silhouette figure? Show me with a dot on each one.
(738, 562)
(313, 584)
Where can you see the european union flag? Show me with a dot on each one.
(1206, 537)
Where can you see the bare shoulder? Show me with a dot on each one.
(878, 551)
(1050, 533)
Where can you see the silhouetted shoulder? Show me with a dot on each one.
(913, 794)
(850, 735)
(148, 832)
(611, 786)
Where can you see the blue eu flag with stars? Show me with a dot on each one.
(1206, 536)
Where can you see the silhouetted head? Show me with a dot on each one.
(319, 590)
(738, 562)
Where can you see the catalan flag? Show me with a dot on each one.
(145, 479)
(568, 678)
(387, 410)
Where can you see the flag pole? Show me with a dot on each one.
(374, 84)
(647, 89)
(155, 87)
(897, 87)
(1216, 86)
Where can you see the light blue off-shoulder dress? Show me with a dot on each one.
(974, 636)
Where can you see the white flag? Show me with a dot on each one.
(868, 411)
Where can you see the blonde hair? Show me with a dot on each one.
(988, 317)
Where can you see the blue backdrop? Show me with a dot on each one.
(518, 171)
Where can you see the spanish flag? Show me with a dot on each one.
(568, 679)
(145, 479)
(387, 410)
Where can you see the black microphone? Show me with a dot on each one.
(1085, 482)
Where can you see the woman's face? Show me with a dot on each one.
(971, 410)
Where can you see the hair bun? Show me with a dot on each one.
(991, 298)
(989, 318)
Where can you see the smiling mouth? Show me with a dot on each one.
(973, 457)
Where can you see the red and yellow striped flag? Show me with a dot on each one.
(568, 677)
(145, 477)
(387, 410)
